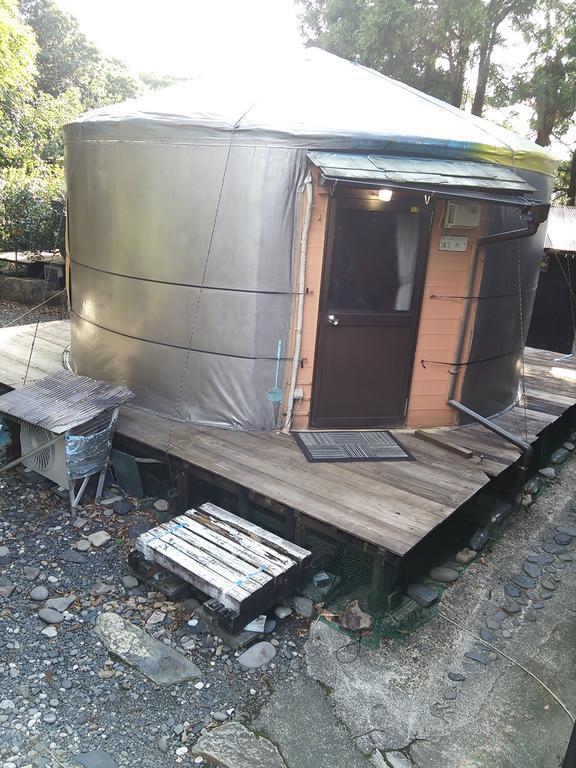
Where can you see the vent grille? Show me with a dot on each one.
(31, 438)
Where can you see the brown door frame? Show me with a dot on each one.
(364, 203)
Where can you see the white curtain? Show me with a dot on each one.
(407, 237)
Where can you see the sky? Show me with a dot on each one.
(187, 37)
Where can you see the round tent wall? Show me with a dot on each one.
(182, 220)
(504, 309)
(181, 274)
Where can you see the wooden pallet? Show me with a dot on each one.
(243, 567)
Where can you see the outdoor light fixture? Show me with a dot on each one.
(385, 195)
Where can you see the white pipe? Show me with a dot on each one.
(300, 307)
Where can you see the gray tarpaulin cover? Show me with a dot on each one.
(182, 220)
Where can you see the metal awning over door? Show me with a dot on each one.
(445, 177)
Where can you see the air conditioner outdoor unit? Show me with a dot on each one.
(49, 462)
(66, 428)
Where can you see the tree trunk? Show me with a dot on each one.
(546, 107)
(543, 133)
(484, 61)
(457, 90)
(571, 194)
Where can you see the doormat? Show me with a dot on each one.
(351, 445)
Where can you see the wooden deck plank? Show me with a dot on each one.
(448, 473)
(400, 541)
(434, 437)
(16, 343)
(287, 457)
(324, 482)
(231, 532)
(436, 480)
(480, 440)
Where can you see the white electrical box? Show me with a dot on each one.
(462, 216)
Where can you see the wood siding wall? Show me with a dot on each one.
(447, 277)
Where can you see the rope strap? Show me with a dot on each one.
(244, 579)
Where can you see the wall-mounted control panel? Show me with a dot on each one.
(462, 216)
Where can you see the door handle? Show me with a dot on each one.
(332, 320)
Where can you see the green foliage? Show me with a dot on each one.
(67, 59)
(429, 45)
(548, 81)
(40, 138)
(62, 46)
(31, 209)
(153, 82)
(565, 186)
(495, 13)
(17, 72)
(50, 73)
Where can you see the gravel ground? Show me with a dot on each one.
(63, 696)
(12, 313)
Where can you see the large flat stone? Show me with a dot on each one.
(301, 720)
(521, 580)
(149, 656)
(71, 556)
(99, 538)
(257, 655)
(540, 559)
(234, 746)
(398, 760)
(95, 759)
(421, 594)
(39, 594)
(6, 587)
(569, 530)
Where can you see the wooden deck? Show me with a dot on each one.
(45, 352)
(392, 505)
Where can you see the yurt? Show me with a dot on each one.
(309, 245)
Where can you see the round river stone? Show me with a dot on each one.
(444, 574)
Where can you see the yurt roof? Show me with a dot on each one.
(316, 100)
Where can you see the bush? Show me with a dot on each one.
(32, 209)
